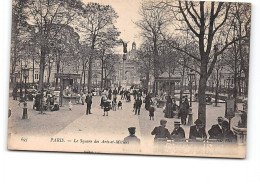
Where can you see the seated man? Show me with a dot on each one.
(161, 132)
(132, 139)
(228, 135)
(198, 130)
(178, 132)
(216, 130)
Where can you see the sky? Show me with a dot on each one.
(127, 11)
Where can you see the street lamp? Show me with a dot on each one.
(25, 75)
(191, 75)
(228, 80)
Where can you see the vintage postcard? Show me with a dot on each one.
(148, 77)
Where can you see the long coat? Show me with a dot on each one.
(194, 133)
(161, 132)
(215, 132)
(178, 133)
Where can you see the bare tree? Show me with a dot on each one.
(154, 21)
(96, 20)
(208, 23)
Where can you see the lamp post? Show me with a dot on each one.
(228, 80)
(191, 75)
(25, 75)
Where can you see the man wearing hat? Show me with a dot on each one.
(227, 135)
(216, 130)
(138, 104)
(197, 131)
(178, 132)
(132, 139)
(88, 100)
(161, 132)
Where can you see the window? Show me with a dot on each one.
(36, 76)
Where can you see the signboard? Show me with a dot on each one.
(230, 108)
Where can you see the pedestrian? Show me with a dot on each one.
(151, 112)
(70, 105)
(89, 103)
(216, 130)
(178, 132)
(168, 110)
(114, 104)
(138, 104)
(147, 101)
(83, 98)
(197, 131)
(183, 113)
(122, 94)
(120, 105)
(107, 107)
(161, 133)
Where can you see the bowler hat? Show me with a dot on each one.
(131, 130)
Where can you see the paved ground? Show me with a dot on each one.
(75, 125)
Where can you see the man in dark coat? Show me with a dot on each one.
(228, 135)
(161, 132)
(147, 102)
(216, 130)
(184, 109)
(138, 104)
(89, 103)
(178, 132)
(198, 130)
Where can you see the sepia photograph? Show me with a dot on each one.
(142, 77)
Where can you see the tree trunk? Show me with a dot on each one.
(147, 79)
(41, 76)
(217, 84)
(202, 99)
(102, 74)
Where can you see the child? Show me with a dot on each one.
(106, 107)
(114, 104)
(70, 105)
(119, 105)
(151, 112)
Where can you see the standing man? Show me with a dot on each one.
(89, 103)
(216, 130)
(198, 130)
(138, 104)
(178, 132)
(161, 132)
